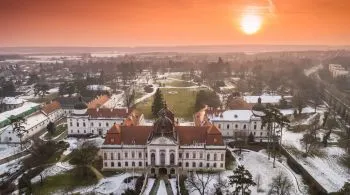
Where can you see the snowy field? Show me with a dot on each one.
(173, 185)
(149, 186)
(110, 185)
(116, 101)
(7, 150)
(58, 168)
(326, 169)
(162, 188)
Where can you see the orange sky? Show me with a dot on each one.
(170, 22)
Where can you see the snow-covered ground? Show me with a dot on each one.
(173, 185)
(327, 170)
(7, 150)
(116, 101)
(110, 185)
(149, 186)
(55, 169)
(73, 144)
(162, 188)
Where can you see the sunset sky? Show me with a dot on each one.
(171, 22)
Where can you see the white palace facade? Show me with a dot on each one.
(164, 148)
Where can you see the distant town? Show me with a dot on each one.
(201, 121)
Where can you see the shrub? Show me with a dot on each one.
(183, 188)
(139, 183)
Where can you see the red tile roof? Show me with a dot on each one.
(108, 113)
(53, 106)
(98, 102)
(237, 103)
(188, 135)
(128, 135)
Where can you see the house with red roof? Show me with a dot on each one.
(164, 148)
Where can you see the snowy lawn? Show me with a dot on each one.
(56, 169)
(7, 150)
(162, 188)
(110, 185)
(149, 186)
(173, 185)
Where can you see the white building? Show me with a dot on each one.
(10, 103)
(164, 148)
(96, 121)
(32, 124)
(337, 70)
(265, 99)
(239, 123)
(53, 111)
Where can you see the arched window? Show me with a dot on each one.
(186, 164)
(112, 157)
(215, 165)
(236, 126)
(153, 158)
(162, 157)
(172, 158)
(228, 126)
(215, 156)
(126, 164)
(105, 156)
(200, 164)
(244, 126)
(172, 171)
(193, 164)
(208, 156)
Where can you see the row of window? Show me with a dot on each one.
(194, 155)
(126, 164)
(200, 165)
(244, 133)
(244, 126)
(92, 124)
(105, 155)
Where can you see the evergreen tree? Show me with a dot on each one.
(51, 128)
(242, 179)
(158, 103)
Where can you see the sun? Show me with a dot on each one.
(251, 23)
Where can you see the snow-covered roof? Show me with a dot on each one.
(98, 88)
(12, 100)
(232, 115)
(264, 99)
(27, 106)
(29, 122)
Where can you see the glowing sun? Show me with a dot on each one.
(251, 23)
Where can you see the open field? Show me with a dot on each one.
(180, 101)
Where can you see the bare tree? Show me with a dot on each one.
(199, 182)
(129, 97)
(18, 127)
(280, 185)
(310, 143)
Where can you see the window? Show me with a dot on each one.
(133, 154)
(236, 126)
(112, 157)
(201, 155)
(180, 155)
(140, 155)
(119, 164)
(126, 155)
(221, 165)
(207, 165)
(126, 164)
(78, 131)
(186, 165)
(254, 126)
(228, 126)
(99, 124)
(105, 164)
(172, 158)
(107, 124)
(244, 126)
(219, 125)
(215, 165)
(112, 164)
(140, 164)
(77, 124)
(105, 156)
(260, 133)
(261, 127)
(200, 164)
(180, 164)
(84, 131)
(222, 157)
(208, 156)
(187, 155)
(194, 155)
(118, 156)
(84, 125)
(215, 156)
(71, 124)
(91, 124)
(153, 159)
(133, 164)
(193, 164)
